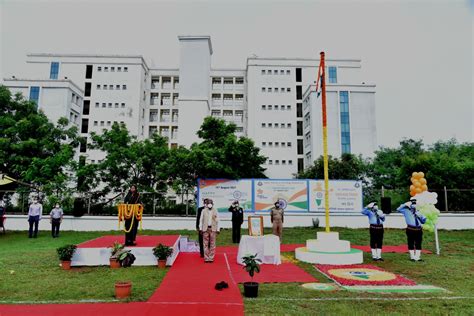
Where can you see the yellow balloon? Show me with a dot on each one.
(412, 187)
(422, 181)
(416, 183)
(413, 175)
(424, 187)
(422, 175)
(418, 190)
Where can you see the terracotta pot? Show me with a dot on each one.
(114, 264)
(161, 263)
(66, 265)
(123, 289)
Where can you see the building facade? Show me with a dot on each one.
(270, 101)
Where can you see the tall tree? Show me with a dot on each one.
(33, 149)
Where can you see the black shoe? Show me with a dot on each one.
(412, 260)
(224, 285)
(375, 259)
(218, 287)
(380, 259)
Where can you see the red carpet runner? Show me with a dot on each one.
(188, 288)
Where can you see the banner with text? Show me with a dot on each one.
(224, 192)
(344, 196)
(292, 194)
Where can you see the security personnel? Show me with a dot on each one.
(414, 231)
(276, 217)
(237, 220)
(198, 218)
(376, 219)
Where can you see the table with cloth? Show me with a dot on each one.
(267, 248)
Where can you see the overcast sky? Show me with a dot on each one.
(419, 53)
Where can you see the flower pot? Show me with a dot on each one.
(250, 289)
(114, 263)
(123, 289)
(66, 265)
(161, 263)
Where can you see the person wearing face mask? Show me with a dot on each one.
(276, 217)
(376, 219)
(56, 217)
(198, 221)
(237, 220)
(131, 224)
(209, 227)
(414, 231)
(34, 216)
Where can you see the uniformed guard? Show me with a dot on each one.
(237, 220)
(414, 231)
(276, 217)
(376, 219)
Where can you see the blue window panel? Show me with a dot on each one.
(332, 75)
(54, 72)
(34, 94)
(345, 122)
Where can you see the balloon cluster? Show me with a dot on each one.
(425, 203)
(418, 183)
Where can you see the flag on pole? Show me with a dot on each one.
(319, 81)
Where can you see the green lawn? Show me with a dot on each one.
(38, 278)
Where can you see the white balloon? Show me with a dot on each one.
(426, 198)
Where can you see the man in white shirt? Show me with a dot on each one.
(34, 216)
(56, 217)
(209, 228)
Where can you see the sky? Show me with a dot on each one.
(418, 53)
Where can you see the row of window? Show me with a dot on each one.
(112, 69)
(276, 107)
(276, 125)
(277, 144)
(106, 123)
(228, 81)
(218, 96)
(345, 124)
(110, 105)
(73, 117)
(282, 90)
(275, 72)
(277, 162)
(111, 87)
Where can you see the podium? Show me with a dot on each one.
(329, 249)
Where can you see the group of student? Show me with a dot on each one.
(414, 231)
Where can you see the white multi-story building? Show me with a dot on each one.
(265, 101)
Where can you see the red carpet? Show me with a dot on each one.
(142, 241)
(362, 274)
(189, 287)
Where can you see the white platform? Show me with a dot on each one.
(328, 249)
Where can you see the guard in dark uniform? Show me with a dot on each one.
(198, 218)
(132, 197)
(237, 220)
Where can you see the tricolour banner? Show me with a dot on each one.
(224, 192)
(293, 194)
(344, 196)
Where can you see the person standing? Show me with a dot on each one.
(56, 218)
(2, 214)
(414, 230)
(276, 217)
(131, 224)
(209, 228)
(237, 220)
(376, 219)
(34, 216)
(198, 218)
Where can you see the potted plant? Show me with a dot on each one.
(162, 253)
(65, 254)
(125, 258)
(251, 265)
(115, 252)
(123, 289)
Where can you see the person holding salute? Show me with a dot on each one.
(237, 220)
(414, 230)
(376, 219)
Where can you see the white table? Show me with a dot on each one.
(266, 247)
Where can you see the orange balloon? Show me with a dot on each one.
(412, 187)
(418, 190)
(424, 187)
(422, 181)
(416, 183)
(413, 175)
(422, 175)
(412, 193)
(412, 179)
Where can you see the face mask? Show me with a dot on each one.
(209, 206)
(35, 201)
(277, 205)
(57, 205)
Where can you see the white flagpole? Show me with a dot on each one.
(436, 239)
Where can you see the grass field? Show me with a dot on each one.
(38, 278)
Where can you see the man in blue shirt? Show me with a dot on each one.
(376, 219)
(414, 231)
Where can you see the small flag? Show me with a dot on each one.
(319, 82)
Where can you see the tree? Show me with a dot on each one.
(33, 149)
(348, 166)
(129, 161)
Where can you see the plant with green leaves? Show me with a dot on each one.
(66, 252)
(251, 265)
(126, 258)
(162, 252)
(116, 250)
